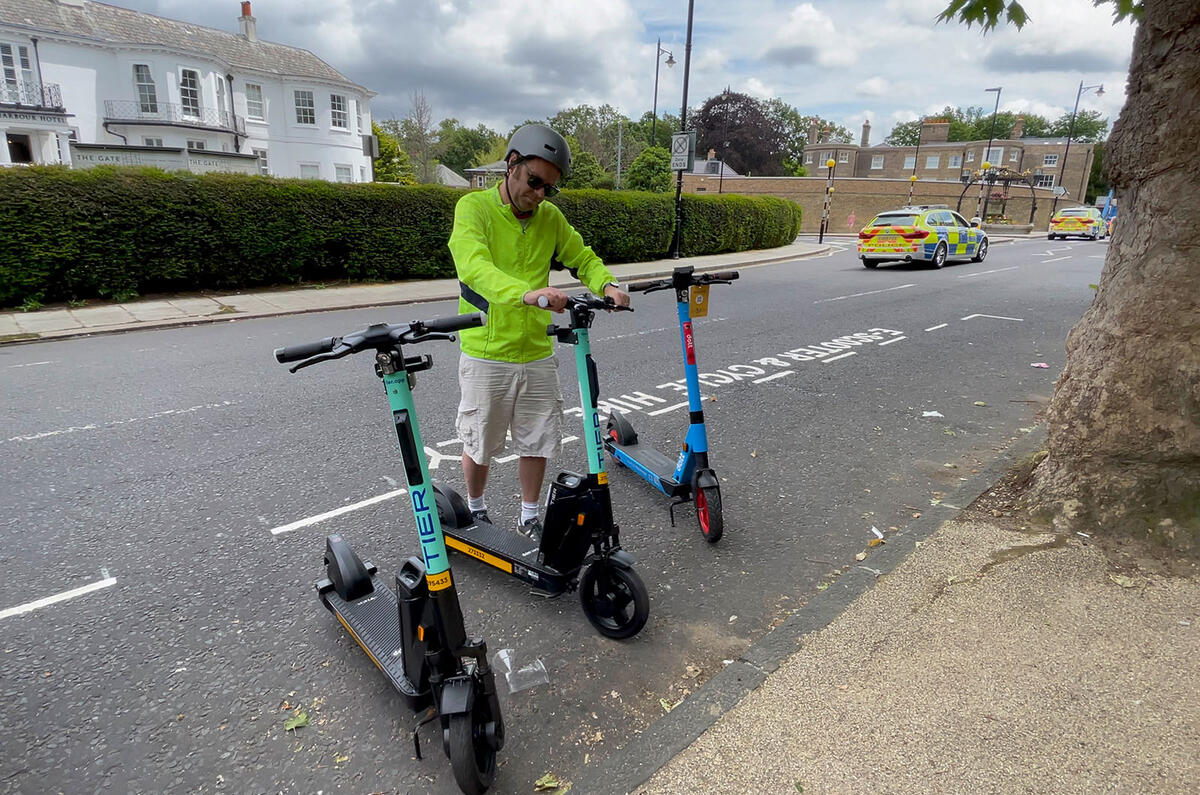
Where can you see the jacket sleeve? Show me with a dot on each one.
(579, 259)
(473, 259)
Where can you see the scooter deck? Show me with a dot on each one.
(374, 623)
(507, 551)
(653, 462)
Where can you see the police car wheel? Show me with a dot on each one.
(980, 252)
(939, 256)
(1049, 237)
(870, 263)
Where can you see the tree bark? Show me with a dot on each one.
(1124, 423)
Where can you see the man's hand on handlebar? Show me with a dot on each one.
(556, 300)
(618, 296)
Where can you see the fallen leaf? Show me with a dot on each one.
(861, 556)
(874, 542)
(297, 721)
(754, 454)
(843, 688)
(821, 586)
(916, 515)
(799, 787)
(546, 783)
(1127, 582)
(340, 759)
(667, 705)
(950, 466)
(980, 403)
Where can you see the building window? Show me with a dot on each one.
(337, 112)
(15, 63)
(263, 165)
(147, 93)
(1050, 161)
(808, 158)
(254, 101)
(310, 170)
(189, 92)
(1013, 156)
(876, 161)
(362, 173)
(933, 161)
(955, 161)
(152, 142)
(995, 155)
(306, 108)
(910, 162)
(358, 109)
(1043, 181)
(843, 157)
(196, 144)
(971, 156)
(343, 173)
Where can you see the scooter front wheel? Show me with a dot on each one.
(708, 513)
(614, 599)
(472, 755)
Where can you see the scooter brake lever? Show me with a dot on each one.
(337, 353)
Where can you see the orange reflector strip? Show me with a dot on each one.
(420, 632)
(579, 519)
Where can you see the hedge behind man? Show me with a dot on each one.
(503, 241)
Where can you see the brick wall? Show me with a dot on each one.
(864, 198)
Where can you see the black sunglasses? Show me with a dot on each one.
(537, 183)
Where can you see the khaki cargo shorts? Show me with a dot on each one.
(503, 397)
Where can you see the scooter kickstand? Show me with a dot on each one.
(430, 715)
(671, 507)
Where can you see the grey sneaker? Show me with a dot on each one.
(531, 528)
(480, 516)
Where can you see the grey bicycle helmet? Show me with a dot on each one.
(538, 140)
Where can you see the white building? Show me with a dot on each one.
(85, 82)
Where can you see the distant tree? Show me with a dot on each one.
(496, 151)
(420, 138)
(754, 144)
(585, 172)
(393, 164)
(1090, 126)
(650, 171)
(458, 146)
(971, 124)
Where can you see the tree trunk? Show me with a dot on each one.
(1124, 424)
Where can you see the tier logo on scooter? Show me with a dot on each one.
(427, 532)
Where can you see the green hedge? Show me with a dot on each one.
(118, 232)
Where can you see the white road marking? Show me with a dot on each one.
(321, 517)
(1056, 259)
(668, 408)
(114, 423)
(858, 295)
(1095, 256)
(995, 317)
(697, 322)
(893, 339)
(60, 597)
(449, 442)
(997, 270)
(772, 377)
(843, 356)
(30, 364)
(935, 328)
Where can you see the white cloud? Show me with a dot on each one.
(808, 36)
(872, 87)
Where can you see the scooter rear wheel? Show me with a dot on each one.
(614, 600)
(708, 513)
(472, 756)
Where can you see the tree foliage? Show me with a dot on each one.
(737, 126)
(393, 164)
(975, 124)
(585, 172)
(650, 171)
(458, 147)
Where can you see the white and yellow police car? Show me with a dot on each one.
(931, 233)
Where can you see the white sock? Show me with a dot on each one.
(476, 504)
(529, 510)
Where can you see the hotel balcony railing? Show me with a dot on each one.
(117, 110)
(47, 95)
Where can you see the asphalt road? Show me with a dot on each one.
(152, 466)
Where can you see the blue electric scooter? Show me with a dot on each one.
(687, 477)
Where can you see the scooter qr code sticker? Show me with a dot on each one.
(699, 300)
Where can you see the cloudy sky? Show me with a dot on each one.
(501, 61)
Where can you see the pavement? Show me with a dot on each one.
(978, 654)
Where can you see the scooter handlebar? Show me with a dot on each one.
(656, 284)
(455, 322)
(294, 353)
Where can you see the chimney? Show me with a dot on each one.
(812, 133)
(712, 154)
(866, 136)
(935, 131)
(1019, 127)
(246, 23)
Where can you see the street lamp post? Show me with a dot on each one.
(829, 164)
(912, 183)
(1099, 87)
(984, 168)
(677, 241)
(721, 177)
(987, 155)
(670, 62)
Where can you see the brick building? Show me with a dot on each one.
(941, 160)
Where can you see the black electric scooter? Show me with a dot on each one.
(415, 634)
(578, 530)
(688, 476)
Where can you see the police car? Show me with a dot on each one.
(1080, 221)
(931, 233)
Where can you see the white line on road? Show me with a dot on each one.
(772, 377)
(935, 328)
(1095, 256)
(835, 358)
(287, 528)
(706, 321)
(893, 339)
(31, 364)
(61, 597)
(668, 408)
(114, 423)
(982, 273)
(1056, 259)
(994, 317)
(857, 295)
(449, 442)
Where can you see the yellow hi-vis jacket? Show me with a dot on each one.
(498, 261)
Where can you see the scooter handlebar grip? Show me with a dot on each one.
(726, 276)
(455, 322)
(294, 353)
(543, 302)
(637, 287)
